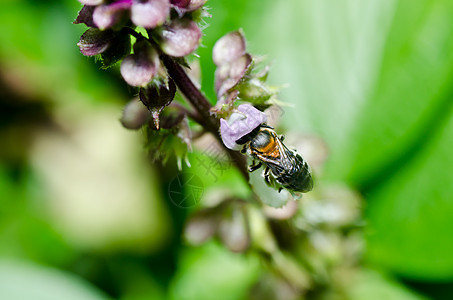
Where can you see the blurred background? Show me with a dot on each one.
(85, 215)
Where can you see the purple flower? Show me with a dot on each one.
(240, 124)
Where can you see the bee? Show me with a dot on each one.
(282, 165)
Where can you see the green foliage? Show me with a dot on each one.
(212, 270)
(374, 79)
(22, 281)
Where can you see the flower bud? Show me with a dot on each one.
(180, 3)
(230, 74)
(180, 38)
(139, 68)
(135, 115)
(108, 15)
(229, 48)
(156, 98)
(95, 41)
(151, 13)
(184, 6)
(85, 16)
(91, 2)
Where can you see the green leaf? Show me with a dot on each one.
(371, 285)
(212, 272)
(374, 79)
(409, 216)
(24, 281)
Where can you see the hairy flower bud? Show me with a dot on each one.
(138, 69)
(95, 41)
(229, 48)
(85, 16)
(135, 115)
(106, 16)
(91, 2)
(180, 38)
(151, 13)
(232, 61)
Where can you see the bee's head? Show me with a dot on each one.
(248, 137)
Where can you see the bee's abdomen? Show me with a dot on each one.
(298, 178)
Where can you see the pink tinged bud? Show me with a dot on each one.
(139, 68)
(240, 124)
(184, 6)
(95, 41)
(151, 13)
(85, 16)
(181, 38)
(180, 3)
(135, 115)
(230, 74)
(229, 48)
(195, 4)
(106, 16)
(91, 2)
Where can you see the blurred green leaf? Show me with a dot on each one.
(410, 216)
(23, 281)
(374, 80)
(212, 272)
(371, 285)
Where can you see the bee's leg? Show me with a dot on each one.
(266, 176)
(244, 149)
(255, 166)
(282, 138)
(280, 189)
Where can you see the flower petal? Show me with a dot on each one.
(181, 38)
(240, 124)
(151, 13)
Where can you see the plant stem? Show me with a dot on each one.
(203, 107)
